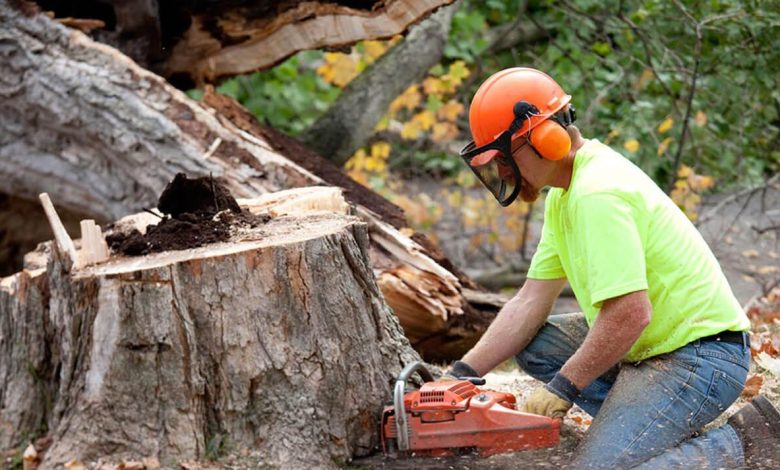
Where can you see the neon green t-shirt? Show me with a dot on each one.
(614, 232)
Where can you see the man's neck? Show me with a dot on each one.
(566, 165)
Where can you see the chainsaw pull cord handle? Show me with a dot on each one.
(398, 400)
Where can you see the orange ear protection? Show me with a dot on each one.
(549, 137)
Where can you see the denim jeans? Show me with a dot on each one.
(650, 414)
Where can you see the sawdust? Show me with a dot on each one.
(197, 212)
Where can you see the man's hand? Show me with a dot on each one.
(459, 370)
(544, 402)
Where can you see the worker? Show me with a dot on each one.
(660, 348)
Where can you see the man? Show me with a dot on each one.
(660, 348)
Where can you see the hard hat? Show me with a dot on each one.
(495, 106)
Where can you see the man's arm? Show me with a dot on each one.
(618, 325)
(516, 324)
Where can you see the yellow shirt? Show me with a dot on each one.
(614, 232)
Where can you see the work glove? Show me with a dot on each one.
(459, 370)
(552, 400)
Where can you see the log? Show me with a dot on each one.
(277, 340)
(103, 136)
(192, 43)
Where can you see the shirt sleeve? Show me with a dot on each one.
(545, 263)
(609, 244)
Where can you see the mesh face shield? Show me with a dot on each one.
(493, 163)
(495, 167)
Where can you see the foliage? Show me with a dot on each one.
(631, 68)
(288, 97)
(685, 89)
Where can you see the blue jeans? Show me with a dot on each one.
(649, 414)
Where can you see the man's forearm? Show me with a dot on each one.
(617, 327)
(515, 325)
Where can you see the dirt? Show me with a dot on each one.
(197, 212)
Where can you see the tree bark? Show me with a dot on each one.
(103, 136)
(351, 119)
(193, 43)
(278, 341)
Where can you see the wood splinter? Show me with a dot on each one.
(94, 248)
(63, 241)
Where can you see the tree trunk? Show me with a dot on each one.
(351, 119)
(103, 136)
(277, 341)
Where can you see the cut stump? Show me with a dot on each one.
(278, 340)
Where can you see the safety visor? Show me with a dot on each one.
(494, 166)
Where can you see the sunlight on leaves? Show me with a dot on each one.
(664, 146)
(665, 125)
(687, 188)
(632, 145)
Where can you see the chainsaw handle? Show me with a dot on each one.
(402, 429)
(475, 380)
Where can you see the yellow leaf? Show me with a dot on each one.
(374, 49)
(380, 150)
(409, 99)
(356, 161)
(700, 119)
(359, 177)
(425, 119)
(632, 145)
(450, 110)
(664, 146)
(444, 132)
(684, 171)
(375, 165)
(458, 71)
(410, 130)
(383, 123)
(338, 69)
(700, 182)
(665, 125)
(433, 86)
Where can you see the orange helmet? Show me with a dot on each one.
(494, 109)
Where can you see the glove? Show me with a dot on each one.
(554, 399)
(544, 402)
(459, 370)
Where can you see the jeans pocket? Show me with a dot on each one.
(733, 353)
(724, 389)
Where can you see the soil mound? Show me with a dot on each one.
(197, 212)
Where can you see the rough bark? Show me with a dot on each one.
(278, 340)
(351, 119)
(103, 136)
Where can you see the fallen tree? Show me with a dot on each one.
(201, 42)
(277, 339)
(103, 136)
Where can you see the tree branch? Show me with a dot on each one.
(351, 119)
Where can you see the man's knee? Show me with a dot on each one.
(553, 345)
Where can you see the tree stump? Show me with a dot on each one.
(104, 143)
(278, 341)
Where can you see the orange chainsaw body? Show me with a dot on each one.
(442, 417)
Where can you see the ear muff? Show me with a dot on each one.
(551, 140)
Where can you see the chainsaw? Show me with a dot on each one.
(450, 417)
